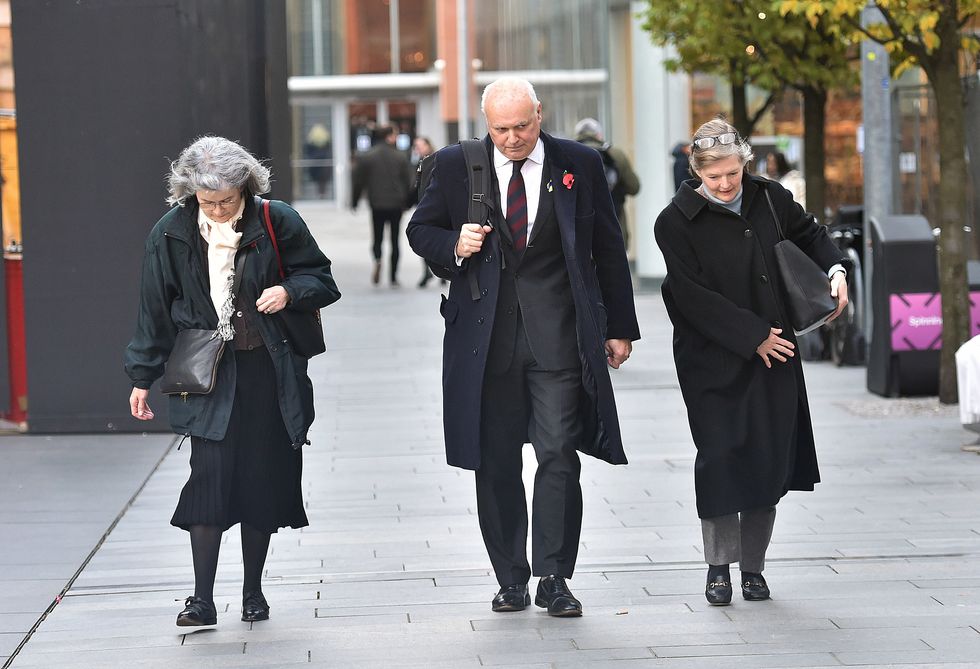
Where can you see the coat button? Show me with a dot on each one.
(764, 279)
(489, 258)
(484, 292)
(747, 233)
(475, 351)
(238, 313)
(479, 321)
(510, 310)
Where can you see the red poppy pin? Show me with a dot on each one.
(568, 180)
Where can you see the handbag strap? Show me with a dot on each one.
(272, 234)
(775, 219)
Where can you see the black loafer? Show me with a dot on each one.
(553, 594)
(754, 587)
(196, 613)
(254, 607)
(718, 593)
(511, 598)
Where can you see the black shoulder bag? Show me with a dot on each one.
(808, 298)
(192, 367)
(302, 328)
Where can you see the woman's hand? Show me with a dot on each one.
(838, 289)
(272, 299)
(138, 406)
(776, 347)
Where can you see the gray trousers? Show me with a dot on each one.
(739, 537)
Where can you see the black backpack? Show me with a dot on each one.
(481, 199)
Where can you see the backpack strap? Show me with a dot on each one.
(480, 209)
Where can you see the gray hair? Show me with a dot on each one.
(588, 127)
(701, 158)
(510, 87)
(215, 163)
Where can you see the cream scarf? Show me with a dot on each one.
(222, 239)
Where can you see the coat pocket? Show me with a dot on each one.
(448, 309)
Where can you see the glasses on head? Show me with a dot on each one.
(708, 142)
(224, 204)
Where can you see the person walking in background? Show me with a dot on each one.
(743, 387)
(682, 164)
(246, 434)
(540, 302)
(386, 175)
(422, 148)
(779, 169)
(318, 151)
(620, 177)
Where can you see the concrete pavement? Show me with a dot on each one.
(875, 568)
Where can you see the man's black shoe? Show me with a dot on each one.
(511, 598)
(718, 593)
(254, 607)
(754, 587)
(196, 613)
(553, 594)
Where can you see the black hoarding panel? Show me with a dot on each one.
(108, 91)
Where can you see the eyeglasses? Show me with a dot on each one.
(224, 204)
(708, 142)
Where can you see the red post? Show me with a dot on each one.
(16, 338)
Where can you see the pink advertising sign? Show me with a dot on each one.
(917, 321)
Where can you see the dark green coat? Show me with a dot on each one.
(175, 295)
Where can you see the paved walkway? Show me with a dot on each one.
(878, 567)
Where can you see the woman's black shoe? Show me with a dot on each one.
(254, 607)
(754, 587)
(196, 613)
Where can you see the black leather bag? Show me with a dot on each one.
(808, 299)
(302, 328)
(192, 367)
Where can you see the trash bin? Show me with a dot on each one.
(907, 325)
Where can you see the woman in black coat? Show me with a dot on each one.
(247, 432)
(741, 382)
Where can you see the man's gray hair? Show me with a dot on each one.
(701, 158)
(588, 128)
(508, 87)
(215, 163)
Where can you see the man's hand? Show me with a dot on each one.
(138, 406)
(618, 351)
(776, 347)
(471, 237)
(838, 289)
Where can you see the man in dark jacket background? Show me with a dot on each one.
(620, 177)
(540, 303)
(385, 173)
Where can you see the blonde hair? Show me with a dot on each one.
(701, 158)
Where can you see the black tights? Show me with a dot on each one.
(205, 545)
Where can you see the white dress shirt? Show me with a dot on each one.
(532, 171)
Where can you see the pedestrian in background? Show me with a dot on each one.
(682, 163)
(743, 386)
(779, 169)
(540, 302)
(620, 177)
(386, 175)
(246, 434)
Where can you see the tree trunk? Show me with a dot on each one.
(740, 109)
(943, 72)
(814, 155)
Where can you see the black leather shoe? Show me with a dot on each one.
(196, 613)
(511, 598)
(754, 587)
(553, 594)
(719, 593)
(254, 607)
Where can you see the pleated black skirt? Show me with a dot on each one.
(253, 475)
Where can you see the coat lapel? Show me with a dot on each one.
(556, 166)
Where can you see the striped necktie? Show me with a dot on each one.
(517, 207)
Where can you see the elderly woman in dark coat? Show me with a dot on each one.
(246, 433)
(742, 384)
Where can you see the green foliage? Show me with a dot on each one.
(751, 41)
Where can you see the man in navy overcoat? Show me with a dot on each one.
(540, 303)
